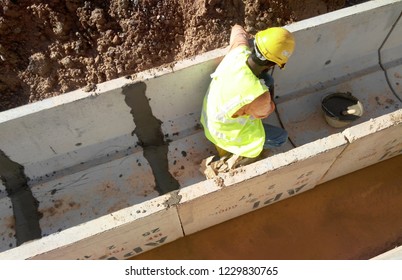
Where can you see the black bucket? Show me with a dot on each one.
(340, 109)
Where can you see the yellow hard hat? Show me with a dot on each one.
(275, 44)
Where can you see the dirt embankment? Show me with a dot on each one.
(51, 47)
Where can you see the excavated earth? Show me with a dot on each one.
(48, 48)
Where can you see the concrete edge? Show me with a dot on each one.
(85, 231)
(342, 13)
(373, 125)
(393, 254)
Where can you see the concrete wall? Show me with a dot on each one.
(118, 235)
(115, 172)
(369, 142)
(259, 184)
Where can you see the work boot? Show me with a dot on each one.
(214, 165)
(238, 161)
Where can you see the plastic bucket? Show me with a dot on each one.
(340, 109)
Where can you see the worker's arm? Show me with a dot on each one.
(260, 108)
(238, 37)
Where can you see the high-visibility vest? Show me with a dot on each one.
(233, 85)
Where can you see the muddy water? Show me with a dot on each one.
(357, 216)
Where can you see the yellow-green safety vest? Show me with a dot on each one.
(233, 85)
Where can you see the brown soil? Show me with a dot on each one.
(51, 47)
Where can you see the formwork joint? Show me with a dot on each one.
(173, 200)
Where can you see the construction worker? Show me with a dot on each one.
(240, 94)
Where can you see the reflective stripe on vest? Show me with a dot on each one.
(233, 85)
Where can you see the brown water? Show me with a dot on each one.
(357, 216)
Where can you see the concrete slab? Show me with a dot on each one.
(118, 235)
(178, 94)
(66, 135)
(370, 142)
(185, 157)
(92, 193)
(259, 184)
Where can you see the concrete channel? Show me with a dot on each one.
(112, 173)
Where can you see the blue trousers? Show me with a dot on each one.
(274, 136)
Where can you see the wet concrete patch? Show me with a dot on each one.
(24, 204)
(151, 139)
